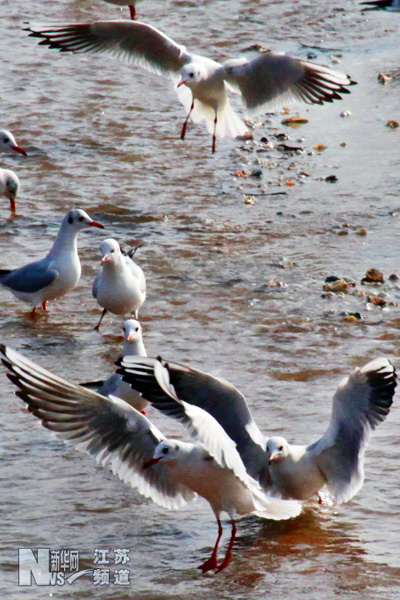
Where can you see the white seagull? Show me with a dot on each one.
(57, 273)
(361, 402)
(170, 472)
(129, 3)
(9, 187)
(114, 385)
(120, 287)
(8, 143)
(268, 77)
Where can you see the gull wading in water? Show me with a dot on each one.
(9, 187)
(120, 287)
(360, 403)
(8, 143)
(115, 385)
(129, 3)
(170, 472)
(57, 273)
(202, 83)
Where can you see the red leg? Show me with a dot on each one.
(132, 10)
(44, 305)
(101, 318)
(211, 563)
(183, 133)
(33, 311)
(228, 555)
(320, 501)
(214, 138)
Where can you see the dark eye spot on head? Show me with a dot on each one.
(112, 249)
(280, 448)
(136, 328)
(81, 218)
(70, 219)
(164, 450)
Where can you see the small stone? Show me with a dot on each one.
(320, 147)
(338, 286)
(361, 231)
(345, 113)
(250, 200)
(392, 124)
(342, 232)
(393, 277)
(384, 78)
(257, 173)
(331, 179)
(376, 301)
(373, 276)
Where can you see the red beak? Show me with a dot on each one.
(182, 82)
(19, 150)
(96, 224)
(151, 462)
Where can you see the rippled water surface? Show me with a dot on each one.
(234, 287)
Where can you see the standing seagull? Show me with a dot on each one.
(362, 400)
(129, 3)
(115, 385)
(120, 287)
(8, 143)
(268, 77)
(57, 273)
(9, 187)
(170, 472)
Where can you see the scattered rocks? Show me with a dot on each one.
(392, 124)
(331, 179)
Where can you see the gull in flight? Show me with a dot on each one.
(57, 273)
(202, 84)
(120, 287)
(336, 460)
(9, 187)
(8, 143)
(170, 472)
(115, 385)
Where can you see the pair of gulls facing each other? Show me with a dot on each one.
(120, 287)
(232, 465)
(9, 182)
(203, 84)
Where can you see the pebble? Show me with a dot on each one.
(373, 276)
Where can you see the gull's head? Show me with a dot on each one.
(78, 219)
(10, 187)
(132, 330)
(166, 451)
(193, 74)
(8, 143)
(110, 251)
(277, 449)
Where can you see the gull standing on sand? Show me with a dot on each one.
(57, 273)
(204, 83)
(8, 143)
(361, 402)
(115, 385)
(9, 187)
(120, 287)
(170, 472)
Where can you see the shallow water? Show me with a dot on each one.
(233, 288)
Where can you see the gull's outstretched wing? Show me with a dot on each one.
(137, 42)
(361, 402)
(272, 75)
(108, 429)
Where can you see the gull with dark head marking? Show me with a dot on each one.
(57, 273)
(361, 402)
(203, 83)
(8, 143)
(9, 187)
(120, 287)
(168, 471)
(115, 385)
